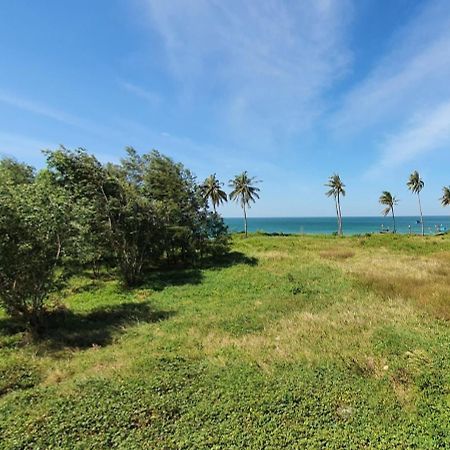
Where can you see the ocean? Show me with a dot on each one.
(328, 225)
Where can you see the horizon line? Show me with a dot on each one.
(332, 217)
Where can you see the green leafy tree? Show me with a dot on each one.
(215, 236)
(389, 201)
(15, 172)
(337, 190)
(86, 182)
(114, 218)
(137, 214)
(212, 190)
(176, 191)
(34, 229)
(244, 192)
(136, 227)
(162, 203)
(415, 185)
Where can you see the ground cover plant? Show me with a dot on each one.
(287, 342)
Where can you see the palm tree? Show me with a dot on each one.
(389, 201)
(244, 192)
(415, 185)
(336, 190)
(211, 190)
(445, 199)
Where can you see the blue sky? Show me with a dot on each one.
(291, 91)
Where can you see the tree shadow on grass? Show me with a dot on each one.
(179, 276)
(98, 327)
(163, 278)
(90, 282)
(65, 329)
(175, 275)
(228, 260)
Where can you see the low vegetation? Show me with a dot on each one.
(286, 342)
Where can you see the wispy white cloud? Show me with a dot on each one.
(425, 133)
(413, 75)
(149, 96)
(406, 96)
(22, 147)
(37, 108)
(202, 157)
(46, 111)
(267, 63)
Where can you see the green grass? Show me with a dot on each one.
(291, 342)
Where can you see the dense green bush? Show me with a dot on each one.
(86, 183)
(145, 211)
(34, 217)
(78, 213)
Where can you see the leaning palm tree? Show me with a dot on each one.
(415, 185)
(389, 201)
(212, 190)
(244, 192)
(336, 190)
(445, 199)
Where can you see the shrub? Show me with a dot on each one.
(33, 230)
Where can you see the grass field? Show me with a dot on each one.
(291, 342)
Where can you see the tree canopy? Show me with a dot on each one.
(77, 213)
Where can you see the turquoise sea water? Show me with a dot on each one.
(328, 225)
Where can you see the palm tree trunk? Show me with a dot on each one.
(421, 215)
(340, 215)
(393, 218)
(245, 220)
(337, 213)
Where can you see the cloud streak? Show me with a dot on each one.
(36, 108)
(267, 63)
(151, 97)
(406, 96)
(21, 147)
(424, 134)
(39, 109)
(400, 82)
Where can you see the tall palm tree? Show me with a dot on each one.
(244, 192)
(212, 190)
(415, 185)
(336, 190)
(389, 201)
(445, 199)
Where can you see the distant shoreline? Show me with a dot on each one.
(351, 225)
(444, 216)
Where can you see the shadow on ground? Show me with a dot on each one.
(228, 260)
(163, 278)
(66, 329)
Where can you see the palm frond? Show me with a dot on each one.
(212, 190)
(445, 199)
(243, 189)
(415, 183)
(336, 185)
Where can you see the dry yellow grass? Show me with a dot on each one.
(424, 280)
(274, 255)
(337, 253)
